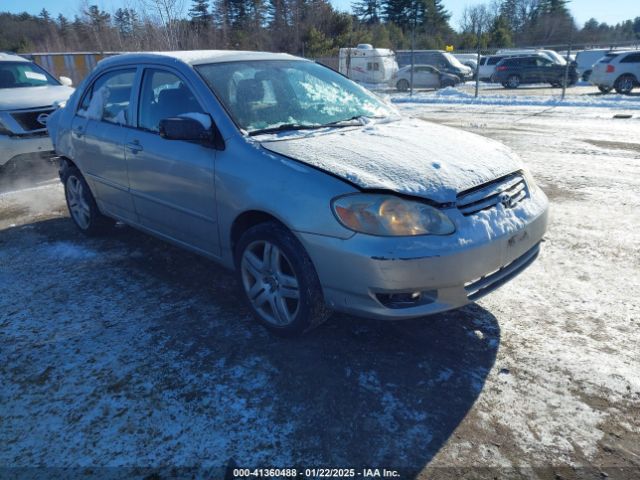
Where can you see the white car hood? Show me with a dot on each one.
(408, 156)
(32, 97)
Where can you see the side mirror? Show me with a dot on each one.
(182, 128)
(66, 81)
(191, 130)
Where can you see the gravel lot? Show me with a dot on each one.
(127, 352)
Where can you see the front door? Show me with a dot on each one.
(172, 181)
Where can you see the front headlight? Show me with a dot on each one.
(4, 130)
(387, 215)
(531, 183)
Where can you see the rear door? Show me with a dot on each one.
(172, 181)
(425, 78)
(631, 64)
(99, 129)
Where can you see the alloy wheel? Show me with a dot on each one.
(270, 282)
(78, 205)
(625, 85)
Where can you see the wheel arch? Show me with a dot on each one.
(245, 221)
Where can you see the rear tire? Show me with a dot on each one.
(624, 84)
(278, 280)
(402, 85)
(82, 206)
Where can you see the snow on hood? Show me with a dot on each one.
(31, 97)
(409, 156)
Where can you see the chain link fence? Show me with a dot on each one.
(535, 74)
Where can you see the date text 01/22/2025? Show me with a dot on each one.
(315, 472)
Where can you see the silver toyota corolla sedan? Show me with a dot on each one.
(318, 193)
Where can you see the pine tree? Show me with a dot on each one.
(368, 11)
(199, 13)
(45, 16)
(63, 26)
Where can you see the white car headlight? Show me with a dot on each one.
(388, 215)
(531, 183)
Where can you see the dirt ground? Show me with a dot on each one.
(125, 357)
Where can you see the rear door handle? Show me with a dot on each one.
(134, 146)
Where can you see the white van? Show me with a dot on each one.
(366, 64)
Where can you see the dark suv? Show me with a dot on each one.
(515, 71)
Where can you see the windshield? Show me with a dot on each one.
(267, 94)
(453, 60)
(555, 56)
(23, 74)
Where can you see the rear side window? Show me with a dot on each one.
(165, 95)
(608, 57)
(494, 60)
(631, 58)
(109, 97)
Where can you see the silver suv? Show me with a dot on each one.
(28, 95)
(319, 194)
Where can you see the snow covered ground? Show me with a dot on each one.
(124, 351)
(527, 96)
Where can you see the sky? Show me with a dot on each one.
(609, 11)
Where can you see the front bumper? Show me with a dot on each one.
(357, 274)
(13, 146)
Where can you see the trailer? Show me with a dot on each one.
(366, 64)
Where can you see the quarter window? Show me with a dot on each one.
(109, 97)
(165, 95)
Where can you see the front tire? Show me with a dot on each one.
(513, 81)
(604, 89)
(402, 85)
(624, 84)
(279, 281)
(82, 206)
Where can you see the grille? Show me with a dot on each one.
(481, 286)
(508, 191)
(28, 120)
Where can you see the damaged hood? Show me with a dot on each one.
(32, 97)
(407, 156)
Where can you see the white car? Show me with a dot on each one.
(28, 94)
(619, 70)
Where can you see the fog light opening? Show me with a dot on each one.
(406, 299)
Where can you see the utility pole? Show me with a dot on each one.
(566, 71)
(478, 61)
(413, 45)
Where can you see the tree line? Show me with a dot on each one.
(312, 28)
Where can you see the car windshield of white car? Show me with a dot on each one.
(275, 95)
(23, 74)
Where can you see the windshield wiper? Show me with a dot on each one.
(361, 119)
(298, 126)
(283, 127)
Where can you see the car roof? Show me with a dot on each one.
(196, 57)
(11, 57)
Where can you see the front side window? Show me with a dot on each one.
(24, 74)
(165, 95)
(268, 94)
(109, 97)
